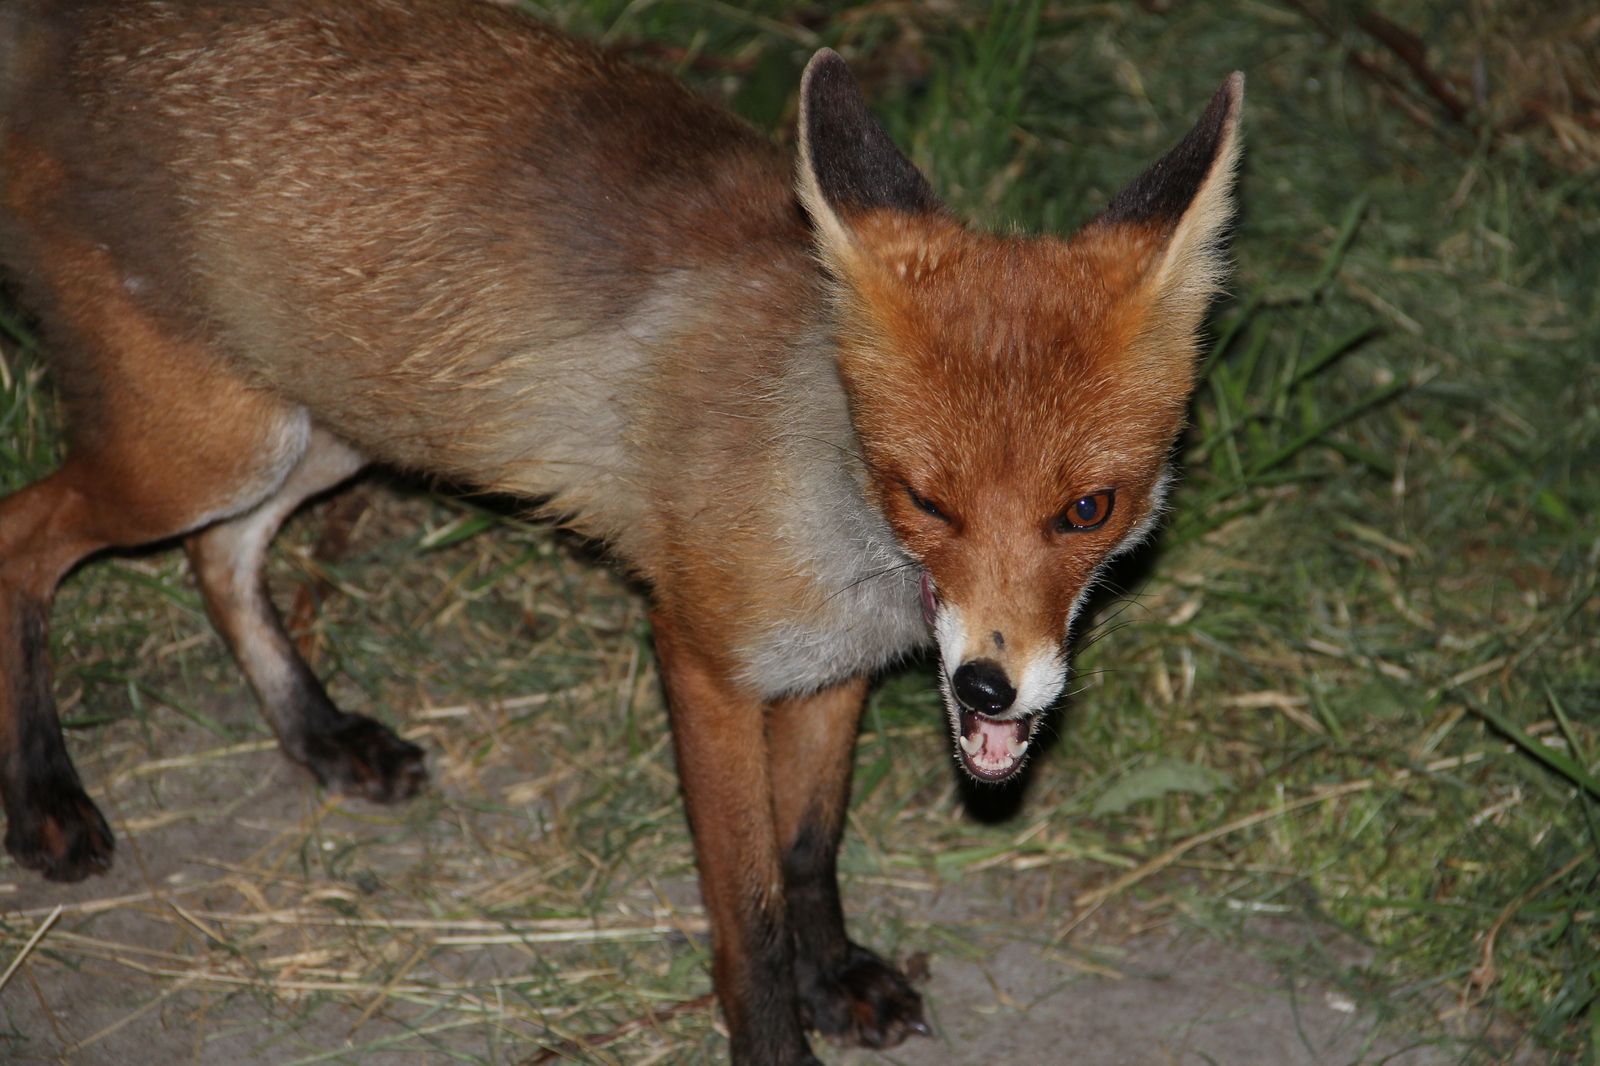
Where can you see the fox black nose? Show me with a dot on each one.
(982, 686)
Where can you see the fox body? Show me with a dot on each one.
(273, 240)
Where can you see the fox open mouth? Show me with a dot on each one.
(992, 750)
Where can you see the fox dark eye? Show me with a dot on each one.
(927, 505)
(1086, 513)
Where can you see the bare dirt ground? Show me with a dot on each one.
(113, 984)
(1183, 1000)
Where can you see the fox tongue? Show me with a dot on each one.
(992, 748)
(993, 736)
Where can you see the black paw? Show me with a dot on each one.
(361, 757)
(863, 1002)
(55, 828)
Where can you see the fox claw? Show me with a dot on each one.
(57, 830)
(866, 1002)
(364, 758)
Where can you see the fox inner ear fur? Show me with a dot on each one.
(848, 164)
(1177, 214)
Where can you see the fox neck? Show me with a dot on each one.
(862, 587)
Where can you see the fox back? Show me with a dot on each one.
(442, 227)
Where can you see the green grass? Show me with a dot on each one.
(1377, 587)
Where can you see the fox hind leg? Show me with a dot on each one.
(349, 753)
(847, 992)
(146, 473)
(51, 823)
(168, 439)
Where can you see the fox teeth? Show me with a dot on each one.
(1016, 749)
(970, 746)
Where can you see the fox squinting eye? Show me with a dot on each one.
(926, 505)
(1086, 513)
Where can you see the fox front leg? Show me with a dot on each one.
(719, 737)
(847, 992)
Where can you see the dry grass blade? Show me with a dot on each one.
(1095, 897)
(1290, 706)
(27, 948)
(652, 1020)
(1484, 974)
(132, 1016)
(388, 989)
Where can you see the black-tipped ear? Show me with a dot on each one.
(846, 158)
(1178, 213)
(1162, 194)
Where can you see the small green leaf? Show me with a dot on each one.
(460, 529)
(1553, 507)
(1156, 780)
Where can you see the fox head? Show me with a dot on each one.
(1015, 398)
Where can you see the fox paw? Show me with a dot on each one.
(55, 828)
(862, 1002)
(361, 757)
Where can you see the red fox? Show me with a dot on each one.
(271, 241)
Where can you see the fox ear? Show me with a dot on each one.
(1182, 206)
(848, 164)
